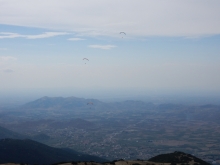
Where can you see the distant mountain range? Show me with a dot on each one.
(74, 102)
(60, 102)
(32, 152)
(203, 112)
(77, 103)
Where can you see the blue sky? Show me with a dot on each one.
(170, 47)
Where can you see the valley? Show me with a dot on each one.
(126, 130)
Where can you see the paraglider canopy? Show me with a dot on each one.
(122, 34)
(90, 104)
(86, 59)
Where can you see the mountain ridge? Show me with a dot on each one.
(59, 102)
(6, 133)
(32, 152)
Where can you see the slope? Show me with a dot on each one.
(32, 152)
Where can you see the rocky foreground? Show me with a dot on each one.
(176, 158)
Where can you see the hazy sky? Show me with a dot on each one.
(170, 46)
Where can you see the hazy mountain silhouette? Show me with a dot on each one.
(207, 112)
(59, 102)
(56, 103)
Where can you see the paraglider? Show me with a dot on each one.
(122, 33)
(86, 59)
(90, 104)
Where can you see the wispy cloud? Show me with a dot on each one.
(7, 58)
(76, 39)
(4, 35)
(45, 35)
(106, 47)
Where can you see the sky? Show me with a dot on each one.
(169, 47)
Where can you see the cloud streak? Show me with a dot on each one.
(7, 58)
(4, 35)
(76, 39)
(105, 47)
(45, 35)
